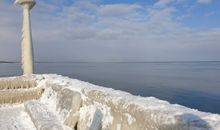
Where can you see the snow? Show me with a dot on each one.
(130, 118)
(107, 108)
(167, 112)
(14, 117)
(93, 120)
(42, 117)
(102, 113)
(49, 98)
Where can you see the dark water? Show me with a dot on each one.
(192, 84)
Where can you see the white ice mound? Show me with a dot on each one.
(73, 104)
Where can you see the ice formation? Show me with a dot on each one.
(67, 104)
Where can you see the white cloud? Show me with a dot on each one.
(88, 31)
(163, 2)
(118, 9)
(204, 1)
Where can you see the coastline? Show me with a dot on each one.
(113, 109)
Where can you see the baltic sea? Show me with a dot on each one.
(192, 84)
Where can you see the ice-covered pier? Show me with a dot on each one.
(53, 102)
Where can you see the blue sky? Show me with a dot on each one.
(115, 30)
(198, 16)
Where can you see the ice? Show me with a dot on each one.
(81, 105)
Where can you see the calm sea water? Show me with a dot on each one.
(192, 84)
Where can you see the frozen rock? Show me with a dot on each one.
(72, 119)
(81, 105)
(69, 102)
(43, 119)
(136, 113)
(90, 118)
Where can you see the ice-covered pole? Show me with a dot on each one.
(27, 46)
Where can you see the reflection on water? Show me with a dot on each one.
(192, 84)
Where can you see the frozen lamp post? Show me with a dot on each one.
(27, 46)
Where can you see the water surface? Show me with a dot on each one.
(192, 84)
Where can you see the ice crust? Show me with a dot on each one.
(84, 106)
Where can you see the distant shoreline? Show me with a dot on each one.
(111, 61)
(9, 62)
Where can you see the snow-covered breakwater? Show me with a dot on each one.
(103, 108)
(73, 104)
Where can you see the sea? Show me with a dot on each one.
(191, 84)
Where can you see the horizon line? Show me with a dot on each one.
(114, 61)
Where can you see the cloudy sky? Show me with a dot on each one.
(115, 30)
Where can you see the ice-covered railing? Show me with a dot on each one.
(84, 106)
(17, 82)
(19, 89)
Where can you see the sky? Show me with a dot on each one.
(114, 30)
